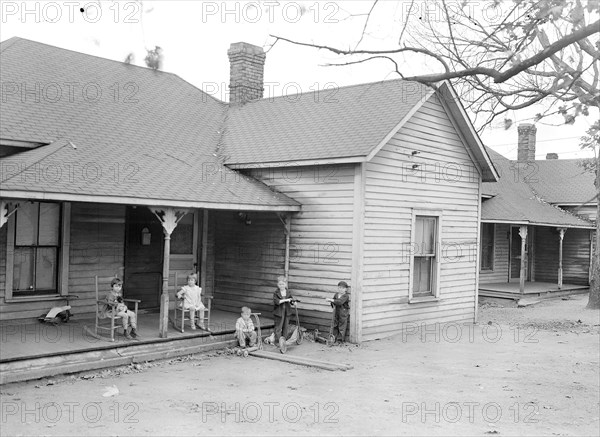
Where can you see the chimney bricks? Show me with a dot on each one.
(247, 65)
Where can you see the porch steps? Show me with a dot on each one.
(41, 367)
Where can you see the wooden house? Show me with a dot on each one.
(537, 224)
(376, 184)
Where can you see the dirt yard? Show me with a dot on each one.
(519, 371)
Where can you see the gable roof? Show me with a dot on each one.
(108, 125)
(111, 123)
(514, 200)
(345, 124)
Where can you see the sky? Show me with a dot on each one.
(195, 35)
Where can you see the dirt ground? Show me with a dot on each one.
(519, 371)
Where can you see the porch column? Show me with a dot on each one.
(169, 217)
(286, 220)
(561, 234)
(523, 235)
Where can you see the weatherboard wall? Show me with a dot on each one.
(425, 165)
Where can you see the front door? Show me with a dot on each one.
(143, 257)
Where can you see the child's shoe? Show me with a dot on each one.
(193, 326)
(133, 333)
(126, 334)
(282, 345)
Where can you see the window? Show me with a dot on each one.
(36, 249)
(487, 246)
(425, 243)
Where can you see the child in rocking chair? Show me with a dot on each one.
(114, 300)
(192, 301)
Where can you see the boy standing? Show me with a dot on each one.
(116, 307)
(341, 305)
(282, 309)
(244, 329)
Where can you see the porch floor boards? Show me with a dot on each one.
(532, 289)
(21, 341)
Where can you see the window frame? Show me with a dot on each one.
(436, 264)
(62, 272)
(493, 249)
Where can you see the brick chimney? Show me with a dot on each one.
(247, 66)
(551, 155)
(526, 151)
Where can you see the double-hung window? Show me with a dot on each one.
(425, 262)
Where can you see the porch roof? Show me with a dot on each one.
(514, 201)
(115, 133)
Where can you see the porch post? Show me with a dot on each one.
(286, 220)
(169, 217)
(523, 234)
(561, 234)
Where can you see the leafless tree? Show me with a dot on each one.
(500, 56)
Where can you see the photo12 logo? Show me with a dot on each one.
(269, 11)
(54, 12)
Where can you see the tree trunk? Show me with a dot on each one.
(594, 300)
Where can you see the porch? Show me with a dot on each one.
(30, 350)
(510, 290)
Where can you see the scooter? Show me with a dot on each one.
(59, 313)
(330, 339)
(245, 351)
(298, 332)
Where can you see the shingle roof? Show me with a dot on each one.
(138, 133)
(563, 181)
(514, 200)
(343, 122)
(144, 117)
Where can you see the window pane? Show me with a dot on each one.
(49, 224)
(422, 276)
(27, 223)
(425, 235)
(45, 269)
(183, 235)
(23, 269)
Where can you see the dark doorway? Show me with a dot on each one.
(143, 257)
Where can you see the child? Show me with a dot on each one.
(244, 329)
(192, 300)
(341, 305)
(282, 309)
(114, 300)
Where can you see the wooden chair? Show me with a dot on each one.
(108, 324)
(181, 315)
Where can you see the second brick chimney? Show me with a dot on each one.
(247, 65)
(526, 142)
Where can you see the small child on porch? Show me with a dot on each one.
(244, 329)
(192, 300)
(341, 306)
(282, 309)
(114, 300)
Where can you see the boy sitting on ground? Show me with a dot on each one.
(244, 329)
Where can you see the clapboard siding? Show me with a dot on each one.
(321, 233)
(576, 255)
(248, 259)
(97, 248)
(3, 231)
(500, 270)
(439, 176)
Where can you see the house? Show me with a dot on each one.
(118, 169)
(537, 223)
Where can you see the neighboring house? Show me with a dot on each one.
(540, 212)
(376, 184)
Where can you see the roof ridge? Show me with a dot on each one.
(323, 90)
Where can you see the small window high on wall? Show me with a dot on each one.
(36, 249)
